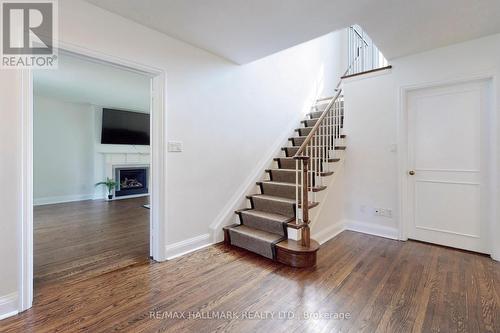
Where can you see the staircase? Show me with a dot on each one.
(277, 224)
(305, 164)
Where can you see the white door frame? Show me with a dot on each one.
(158, 166)
(403, 153)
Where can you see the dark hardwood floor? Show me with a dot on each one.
(88, 238)
(376, 284)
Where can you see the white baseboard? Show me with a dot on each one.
(62, 199)
(326, 234)
(8, 305)
(189, 245)
(372, 229)
(125, 197)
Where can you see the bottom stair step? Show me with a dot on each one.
(270, 222)
(293, 253)
(254, 240)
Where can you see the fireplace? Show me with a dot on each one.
(131, 181)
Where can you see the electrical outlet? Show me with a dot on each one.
(385, 212)
(174, 146)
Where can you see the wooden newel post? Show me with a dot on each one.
(305, 232)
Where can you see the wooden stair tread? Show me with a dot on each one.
(292, 224)
(314, 189)
(305, 127)
(290, 245)
(341, 136)
(267, 215)
(330, 160)
(312, 204)
(318, 188)
(271, 197)
(322, 174)
(337, 147)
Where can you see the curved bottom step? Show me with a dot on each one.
(292, 253)
(288, 252)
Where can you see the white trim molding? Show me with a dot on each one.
(158, 216)
(372, 229)
(402, 138)
(186, 246)
(62, 199)
(25, 225)
(158, 167)
(8, 306)
(326, 234)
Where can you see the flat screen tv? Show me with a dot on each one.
(124, 127)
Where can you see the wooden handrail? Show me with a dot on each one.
(324, 98)
(315, 128)
(359, 35)
(367, 72)
(323, 115)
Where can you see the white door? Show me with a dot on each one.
(447, 169)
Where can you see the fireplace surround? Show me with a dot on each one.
(131, 181)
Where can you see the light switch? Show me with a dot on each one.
(175, 146)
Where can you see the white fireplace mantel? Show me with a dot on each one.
(114, 156)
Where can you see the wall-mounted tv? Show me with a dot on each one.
(124, 127)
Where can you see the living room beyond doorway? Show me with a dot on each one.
(91, 162)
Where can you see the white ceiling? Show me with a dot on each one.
(246, 30)
(81, 80)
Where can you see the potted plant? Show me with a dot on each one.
(110, 185)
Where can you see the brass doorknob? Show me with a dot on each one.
(411, 172)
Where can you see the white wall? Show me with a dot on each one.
(10, 194)
(371, 167)
(68, 157)
(372, 106)
(328, 219)
(226, 115)
(63, 151)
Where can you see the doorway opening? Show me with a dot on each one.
(72, 228)
(91, 126)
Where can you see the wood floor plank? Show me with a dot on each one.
(88, 238)
(384, 285)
